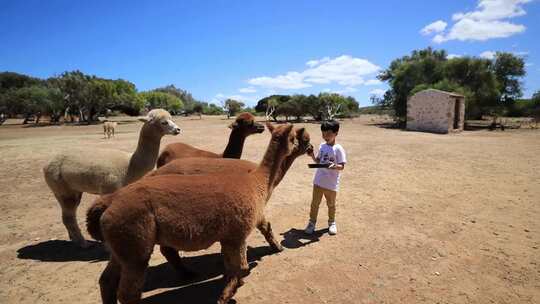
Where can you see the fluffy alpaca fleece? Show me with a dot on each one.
(188, 213)
(242, 127)
(100, 171)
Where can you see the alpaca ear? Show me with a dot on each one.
(300, 132)
(270, 127)
(289, 128)
(233, 125)
(144, 119)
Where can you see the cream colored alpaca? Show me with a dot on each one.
(100, 171)
(109, 128)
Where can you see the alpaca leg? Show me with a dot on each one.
(108, 282)
(236, 267)
(131, 282)
(173, 257)
(69, 204)
(266, 229)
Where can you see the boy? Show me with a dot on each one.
(326, 181)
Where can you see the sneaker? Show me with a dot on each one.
(332, 229)
(310, 228)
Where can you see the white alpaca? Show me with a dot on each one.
(100, 171)
(109, 128)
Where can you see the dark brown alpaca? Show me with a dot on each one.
(242, 127)
(188, 213)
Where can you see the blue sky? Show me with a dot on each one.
(250, 49)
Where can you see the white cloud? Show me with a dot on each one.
(291, 80)
(435, 27)
(220, 98)
(343, 91)
(521, 53)
(377, 92)
(488, 21)
(530, 64)
(452, 56)
(313, 63)
(344, 70)
(487, 55)
(373, 82)
(247, 90)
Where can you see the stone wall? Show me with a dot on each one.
(433, 111)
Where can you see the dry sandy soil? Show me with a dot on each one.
(422, 218)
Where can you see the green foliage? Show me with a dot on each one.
(189, 103)
(319, 107)
(156, 99)
(489, 86)
(212, 109)
(233, 107)
(86, 96)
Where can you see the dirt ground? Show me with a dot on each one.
(422, 218)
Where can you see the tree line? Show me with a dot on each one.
(323, 106)
(490, 86)
(75, 94)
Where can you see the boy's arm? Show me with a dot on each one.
(341, 159)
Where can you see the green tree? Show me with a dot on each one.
(232, 107)
(212, 109)
(508, 70)
(187, 99)
(169, 102)
(405, 73)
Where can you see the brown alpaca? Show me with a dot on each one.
(192, 166)
(243, 126)
(188, 213)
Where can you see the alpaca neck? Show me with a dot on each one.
(145, 156)
(270, 167)
(285, 165)
(235, 146)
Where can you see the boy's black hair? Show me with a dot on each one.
(330, 125)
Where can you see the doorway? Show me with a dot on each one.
(457, 116)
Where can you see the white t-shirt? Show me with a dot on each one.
(329, 178)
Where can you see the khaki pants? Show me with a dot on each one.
(330, 197)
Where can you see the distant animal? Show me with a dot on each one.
(98, 171)
(109, 128)
(188, 213)
(242, 127)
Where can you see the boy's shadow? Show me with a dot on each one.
(295, 238)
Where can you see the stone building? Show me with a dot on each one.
(436, 111)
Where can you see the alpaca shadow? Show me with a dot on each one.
(295, 238)
(197, 293)
(63, 251)
(204, 267)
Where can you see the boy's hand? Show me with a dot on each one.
(332, 166)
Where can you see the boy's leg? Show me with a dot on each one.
(315, 202)
(330, 197)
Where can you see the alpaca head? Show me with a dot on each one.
(161, 122)
(302, 144)
(246, 125)
(284, 137)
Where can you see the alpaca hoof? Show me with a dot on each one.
(83, 244)
(277, 248)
